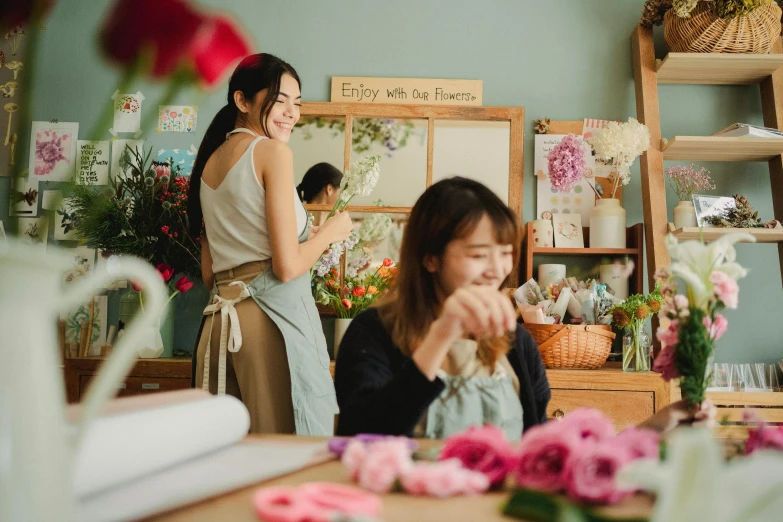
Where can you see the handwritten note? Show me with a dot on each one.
(409, 91)
(93, 163)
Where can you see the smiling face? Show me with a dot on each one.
(476, 259)
(283, 113)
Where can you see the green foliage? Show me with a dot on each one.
(637, 309)
(734, 8)
(392, 134)
(536, 506)
(693, 352)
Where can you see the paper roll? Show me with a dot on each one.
(548, 274)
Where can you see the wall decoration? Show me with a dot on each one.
(127, 112)
(75, 318)
(53, 150)
(578, 200)
(50, 199)
(185, 158)
(12, 89)
(34, 231)
(603, 188)
(177, 118)
(64, 223)
(3, 238)
(83, 263)
(118, 149)
(8, 89)
(24, 197)
(568, 231)
(14, 37)
(93, 165)
(406, 91)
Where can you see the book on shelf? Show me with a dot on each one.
(745, 130)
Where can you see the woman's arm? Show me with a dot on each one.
(207, 275)
(290, 259)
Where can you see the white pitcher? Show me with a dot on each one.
(37, 446)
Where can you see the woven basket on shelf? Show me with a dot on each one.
(706, 32)
(572, 346)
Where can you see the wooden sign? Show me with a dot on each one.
(407, 91)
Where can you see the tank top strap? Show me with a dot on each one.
(243, 129)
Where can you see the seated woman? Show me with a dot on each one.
(320, 186)
(445, 352)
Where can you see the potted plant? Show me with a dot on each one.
(685, 182)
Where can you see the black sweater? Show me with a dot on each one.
(381, 390)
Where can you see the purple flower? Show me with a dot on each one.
(567, 163)
(338, 445)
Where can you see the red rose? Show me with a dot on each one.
(387, 262)
(217, 49)
(358, 291)
(346, 304)
(136, 286)
(135, 27)
(183, 285)
(166, 272)
(485, 450)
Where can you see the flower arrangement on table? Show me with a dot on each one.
(686, 181)
(619, 144)
(632, 315)
(691, 321)
(142, 213)
(359, 292)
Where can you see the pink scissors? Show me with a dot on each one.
(314, 502)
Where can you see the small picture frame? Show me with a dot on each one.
(707, 206)
(568, 230)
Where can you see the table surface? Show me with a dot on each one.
(237, 506)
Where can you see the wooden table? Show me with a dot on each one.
(237, 506)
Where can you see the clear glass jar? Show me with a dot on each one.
(636, 350)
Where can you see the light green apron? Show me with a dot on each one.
(475, 401)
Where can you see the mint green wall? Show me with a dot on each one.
(567, 59)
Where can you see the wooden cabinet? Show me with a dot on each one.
(627, 398)
(147, 376)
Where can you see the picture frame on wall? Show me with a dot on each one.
(568, 230)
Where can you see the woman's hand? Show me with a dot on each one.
(479, 311)
(338, 227)
(678, 413)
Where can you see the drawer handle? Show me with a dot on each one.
(558, 414)
(150, 386)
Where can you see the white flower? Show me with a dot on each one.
(360, 180)
(620, 144)
(694, 261)
(696, 483)
(374, 228)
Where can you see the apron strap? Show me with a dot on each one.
(230, 338)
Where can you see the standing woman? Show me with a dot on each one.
(320, 186)
(262, 341)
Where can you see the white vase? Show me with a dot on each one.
(607, 224)
(150, 346)
(684, 215)
(550, 273)
(614, 276)
(340, 327)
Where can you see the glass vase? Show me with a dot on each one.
(636, 350)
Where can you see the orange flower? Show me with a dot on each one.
(383, 271)
(346, 304)
(372, 290)
(387, 262)
(358, 291)
(394, 271)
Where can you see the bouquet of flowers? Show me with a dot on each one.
(587, 302)
(631, 315)
(360, 180)
(619, 144)
(359, 292)
(691, 322)
(142, 213)
(687, 181)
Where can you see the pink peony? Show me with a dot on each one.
(385, 462)
(725, 288)
(485, 450)
(664, 363)
(542, 457)
(716, 329)
(591, 472)
(764, 437)
(566, 163)
(443, 479)
(669, 336)
(640, 443)
(353, 457)
(589, 425)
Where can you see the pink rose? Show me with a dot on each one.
(589, 424)
(640, 443)
(485, 450)
(716, 329)
(764, 437)
(669, 335)
(591, 472)
(443, 479)
(725, 288)
(353, 457)
(386, 461)
(542, 457)
(664, 363)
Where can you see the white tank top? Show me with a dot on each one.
(235, 214)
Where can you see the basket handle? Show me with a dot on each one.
(588, 328)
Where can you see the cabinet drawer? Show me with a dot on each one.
(623, 407)
(140, 385)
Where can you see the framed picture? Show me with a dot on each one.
(707, 206)
(568, 231)
(53, 150)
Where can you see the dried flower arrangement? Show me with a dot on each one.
(653, 10)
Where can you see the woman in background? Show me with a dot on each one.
(266, 346)
(320, 186)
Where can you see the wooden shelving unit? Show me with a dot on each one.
(762, 235)
(705, 69)
(716, 68)
(634, 251)
(712, 148)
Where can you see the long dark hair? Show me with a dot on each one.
(448, 210)
(316, 178)
(253, 74)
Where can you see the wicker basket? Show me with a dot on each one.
(705, 32)
(572, 346)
